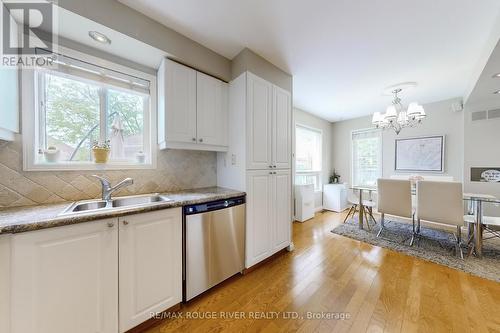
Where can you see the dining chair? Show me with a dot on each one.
(369, 204)
(394, 198)
(440, 206)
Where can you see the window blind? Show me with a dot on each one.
(71, 66)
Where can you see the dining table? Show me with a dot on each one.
(475, 205)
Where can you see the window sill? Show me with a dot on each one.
(88, 166)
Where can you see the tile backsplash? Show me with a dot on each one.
(176, 170)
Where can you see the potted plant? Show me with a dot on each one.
(334, 178)
(101, 151)
(51, 154)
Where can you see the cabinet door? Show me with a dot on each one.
(64, 279)
(282, 211)
(259, 121)
(150, 256)
(259, 218)
(180, 102)
(211, 110)
(282, 129)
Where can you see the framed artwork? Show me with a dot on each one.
(423, 154)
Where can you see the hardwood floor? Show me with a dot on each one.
(381, 291)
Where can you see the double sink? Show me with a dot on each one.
(89, 206)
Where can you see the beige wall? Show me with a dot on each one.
(247, 60)
(440, 120)
(119, 17)
(303, 118)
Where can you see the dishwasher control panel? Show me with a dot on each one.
(214, 205)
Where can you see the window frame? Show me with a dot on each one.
(316, 173)
(381, 155)
(31, 90)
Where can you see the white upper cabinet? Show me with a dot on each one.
(282, 124)
(176, 103)
(259, 122)
(192, 109)
(150, 257)
(269, 121)
(65, 279)
(211, 107)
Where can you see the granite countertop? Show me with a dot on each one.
(29, 218)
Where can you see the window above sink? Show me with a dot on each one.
(82, 100)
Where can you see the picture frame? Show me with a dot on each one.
(420, 154)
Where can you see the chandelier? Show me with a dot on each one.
(397, 117)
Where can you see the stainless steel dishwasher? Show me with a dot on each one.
(214, 244)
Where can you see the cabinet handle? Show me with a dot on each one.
(274, 166)
(201, 140)
(110, 224)
(194, 139)
(270, 167)
(125, 222)
(270, 173)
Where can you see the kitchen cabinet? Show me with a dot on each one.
(258, 161)
(65, 279)
(259, 123)
(105, 276)
(259, 206)
(176, 103)
(192, 109)
(211, 110)
(282, 129)
(282, 209)
(269, 120)
(150, 260)
(269, 213)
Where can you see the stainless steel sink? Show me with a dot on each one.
(137, 200)
(82, 207)
(88, 206)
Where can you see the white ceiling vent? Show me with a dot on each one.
(486, 114)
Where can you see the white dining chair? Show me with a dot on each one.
(394, 198)
(368, 205)
(440, 206)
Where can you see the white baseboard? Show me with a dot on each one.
(318, 209)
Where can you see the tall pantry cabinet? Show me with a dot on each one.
(258, 161)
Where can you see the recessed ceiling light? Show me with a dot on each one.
(99, 37)
(497, 75)
(497, 92)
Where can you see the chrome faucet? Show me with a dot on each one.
(107, 189)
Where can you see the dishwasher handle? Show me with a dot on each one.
(214, 205)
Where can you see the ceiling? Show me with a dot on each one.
(342, 53)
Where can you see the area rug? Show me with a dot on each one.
(435, 246)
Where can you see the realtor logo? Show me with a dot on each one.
(27, 28)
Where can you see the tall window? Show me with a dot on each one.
(308, 150)
(78, 103)
(366, 157)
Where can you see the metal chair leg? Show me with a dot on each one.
(382, 221)
(459, 242)
(348, 213)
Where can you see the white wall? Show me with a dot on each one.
(309, 120)
(481, 150)
(441, 120)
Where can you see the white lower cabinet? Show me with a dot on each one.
(268, 224)
(100, 277)
(150, 275)
(65, 279)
